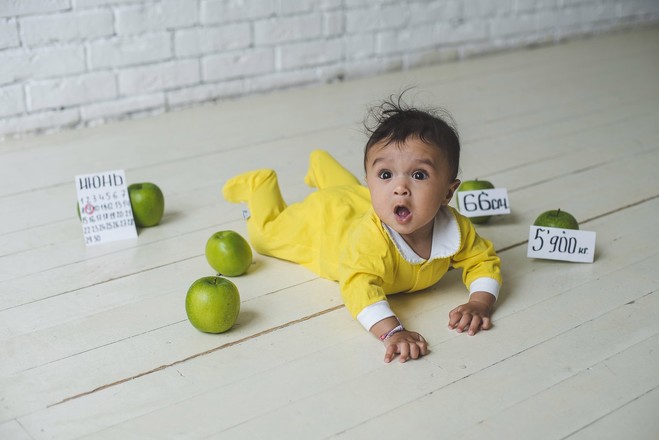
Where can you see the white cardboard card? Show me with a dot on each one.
(484, 202)
(561, 244)
(105, 211)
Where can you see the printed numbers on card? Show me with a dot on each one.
(561, 244)
(484, 202)
(105, 211)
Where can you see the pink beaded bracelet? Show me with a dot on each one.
(399, 328)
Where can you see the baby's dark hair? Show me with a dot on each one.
(393, 121)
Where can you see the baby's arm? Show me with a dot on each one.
(474, 315)
(398, 340)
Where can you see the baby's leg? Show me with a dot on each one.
(324, 171)
(260, 189)
(274, 228)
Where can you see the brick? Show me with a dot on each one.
(67, 92)
(534, 5)
(66, 27)
(435, 12)
(198, 41)
(404, 40)
(333, 23)
(287, 29)
(512, 25)
(238, 64)
(8, 34)
(129, 51)
(224, 11)
(163, 76)
(205, 92)
(370, 19)
(9, 8)
(12, 101)
(121, 107)
(484, 8)
(20, 64)
(274, 81)
(461, 32)
(359, 46)
(351, 4)
(151, 17)
(296, 7)
(80, 4)
(310, 54)
(327, 5)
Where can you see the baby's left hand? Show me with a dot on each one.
(471, 317)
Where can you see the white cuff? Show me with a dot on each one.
(371, 315)
(489, 285)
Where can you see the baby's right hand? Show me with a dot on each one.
(407, 344)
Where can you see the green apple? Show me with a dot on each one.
(475, 185)
(212, 304)
(557, 219)
(147, 202)
(228, 253)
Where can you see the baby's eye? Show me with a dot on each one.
(420, 175)
(384, 174)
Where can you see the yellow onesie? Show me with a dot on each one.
(335, 233)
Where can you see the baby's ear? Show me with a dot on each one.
(451, 190)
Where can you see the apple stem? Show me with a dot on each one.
(558, 211)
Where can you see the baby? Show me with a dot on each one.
(397, 234)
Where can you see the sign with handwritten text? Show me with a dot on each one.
(484, 202)
(561, 244)
(104, 204)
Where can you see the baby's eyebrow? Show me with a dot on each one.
(376, 160)
(428, 162)
(424, 160)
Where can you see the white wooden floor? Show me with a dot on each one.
(94, 342)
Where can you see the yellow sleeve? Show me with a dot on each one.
(476, 257)
(365, 266)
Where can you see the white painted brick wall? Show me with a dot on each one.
(11, 100)
(149, 16)
(72, 63)
(69, 92)
(225, 11)
(288, 29)
(244, 63)
(156, 77)
(8, 33)
(119, 52)
(9, 8)
(208, 40)
(66, 27)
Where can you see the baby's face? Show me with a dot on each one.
(409, 183)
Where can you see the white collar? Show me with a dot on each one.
(445, 238)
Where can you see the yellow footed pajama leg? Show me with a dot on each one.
(273, 227)
(324, 171)
(260, 189)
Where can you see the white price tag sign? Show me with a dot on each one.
(484, 202)
(561, 244)
(105, 211)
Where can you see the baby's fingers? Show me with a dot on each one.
(475, 325)
(454, 316)
(390, 353)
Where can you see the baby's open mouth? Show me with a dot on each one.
(402, 212)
